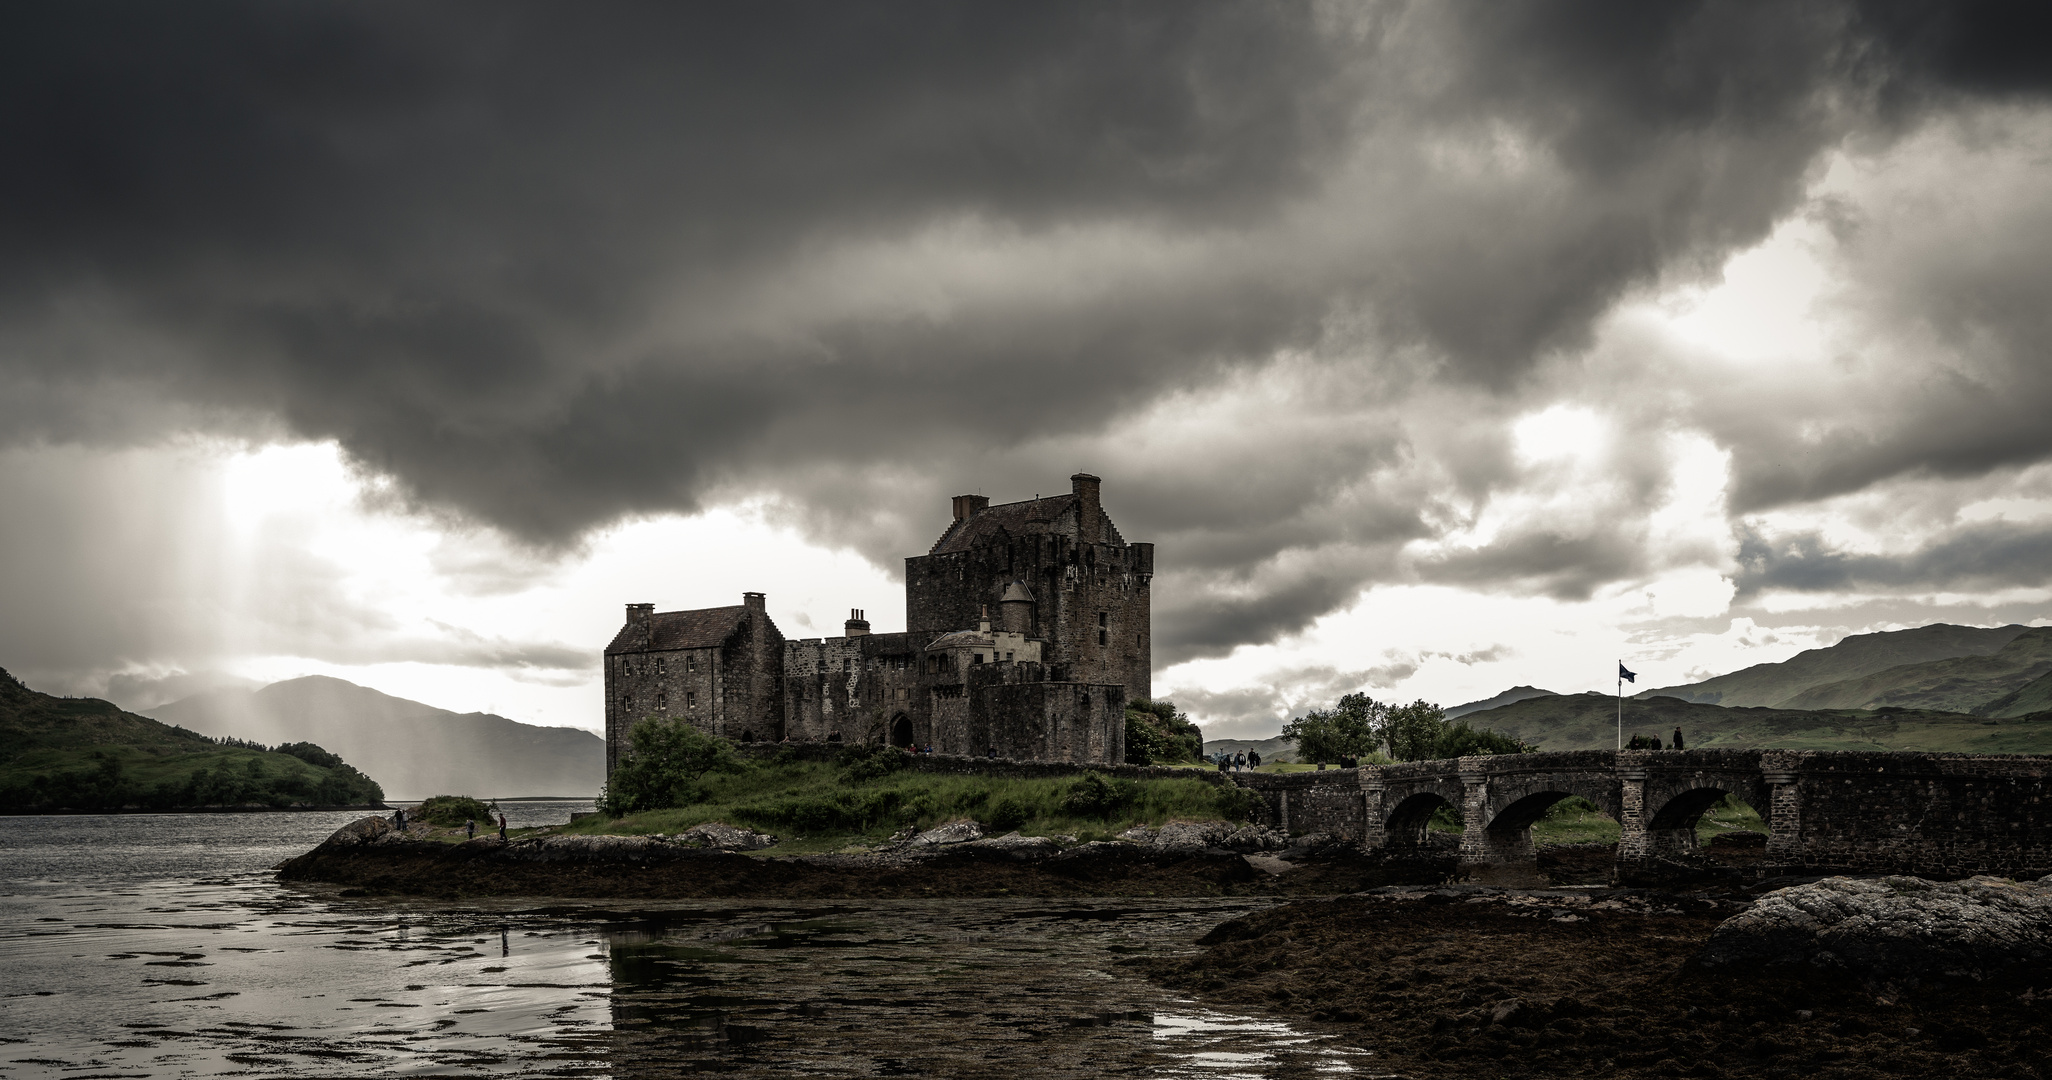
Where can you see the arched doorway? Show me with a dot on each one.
(901, 730)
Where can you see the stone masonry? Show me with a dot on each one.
(1933, 815)
(1030, 628)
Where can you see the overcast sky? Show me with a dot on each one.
(1437, 347)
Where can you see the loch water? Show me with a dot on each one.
(160, 946)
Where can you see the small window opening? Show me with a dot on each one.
(690, 699)
(662, 702)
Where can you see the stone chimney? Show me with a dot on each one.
(1089, 514)
(641, 620)
(968, 506)
(857, 625)
(983, 620)
(754, 601)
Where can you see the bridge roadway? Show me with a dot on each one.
(1934, 815)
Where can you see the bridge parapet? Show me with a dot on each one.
(1935, 814)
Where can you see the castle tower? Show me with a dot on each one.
(1056, 569)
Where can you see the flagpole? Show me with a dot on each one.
(1620, 704)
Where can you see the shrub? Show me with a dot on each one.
(450, 811)
(865, 763)
(1009, 813)
(1236, 803)
(1094, 796)
(665, 767)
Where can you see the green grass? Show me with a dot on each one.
(1575, 821)
(812, 807)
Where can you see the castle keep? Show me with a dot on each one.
(1029, 630)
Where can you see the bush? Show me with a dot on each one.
(450, 811)
(665, 767)
(1094, 796)
(865, 763)
(1236, 803)
(1156, 734)
(1009, 813)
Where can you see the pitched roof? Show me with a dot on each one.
(1011, 519)
(701, 629)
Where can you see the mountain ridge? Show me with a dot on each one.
(415, 749)
(1855, 656)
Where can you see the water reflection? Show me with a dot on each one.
(115, 968)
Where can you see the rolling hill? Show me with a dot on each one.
(415, 750)
(1514, 694)
(1589, 722)
(2033, 697)
(1853, 658)
(86, 754)
(1958, 684)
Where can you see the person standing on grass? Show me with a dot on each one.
(470, 829)
(502, 827)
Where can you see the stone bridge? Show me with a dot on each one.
(1935, 815)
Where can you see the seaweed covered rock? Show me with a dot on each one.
(1892, 928)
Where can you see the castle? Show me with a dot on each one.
(1046, 678)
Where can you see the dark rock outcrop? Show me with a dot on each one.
(1893, 928)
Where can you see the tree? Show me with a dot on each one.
(666, 761)
(1413, 732)
(1349, 729)
(1157, 734)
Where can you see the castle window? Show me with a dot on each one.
(662, 665)
(627, 702)
(690, 662)
(976, 658)
(662, 702)
(690, 700)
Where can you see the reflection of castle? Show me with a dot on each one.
(1046, 679)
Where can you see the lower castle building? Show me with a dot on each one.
(1031, 632)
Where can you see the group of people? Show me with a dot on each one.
(1652, 742)
(469, 825)
(1237, 762)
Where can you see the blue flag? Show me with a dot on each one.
(1626, 675)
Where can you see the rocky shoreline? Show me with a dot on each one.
(1444, 982)
(369, 857)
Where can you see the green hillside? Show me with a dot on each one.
(1853, 658)
(1589, 722)
(1958, 684)
(2033, 697)
(84, 753)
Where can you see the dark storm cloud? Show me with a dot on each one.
(1989, 556)
(546, 266)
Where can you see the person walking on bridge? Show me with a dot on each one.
(1677, 739)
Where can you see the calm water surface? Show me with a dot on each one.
(158, 946)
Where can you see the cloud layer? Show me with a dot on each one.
(1293, 277)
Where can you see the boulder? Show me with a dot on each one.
(719, 834)
(1892, 928)
(1248, 839)
(1138, 834)
(362, 831)
(954, 832)
(1189, 837)
(1014, 845)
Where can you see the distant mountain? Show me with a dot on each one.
(1514, 694)
(414, 750)
(1853, 658)
(87, 754)
(1589, 722)
(2033, 697)
(1959, 684)
(1275, 749)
